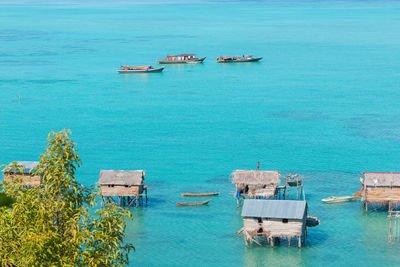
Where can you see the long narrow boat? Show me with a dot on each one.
(145, 69)
(337, 199)
(182, 58)
(181, 204)
(238, 59)
(199, 194)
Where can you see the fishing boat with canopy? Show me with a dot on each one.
(181, 58)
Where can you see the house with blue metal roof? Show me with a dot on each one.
(22, 172)
(274, 220)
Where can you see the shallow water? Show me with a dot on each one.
(322, 102)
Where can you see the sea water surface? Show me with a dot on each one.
(324, 103)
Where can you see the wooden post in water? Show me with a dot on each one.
(390, 225)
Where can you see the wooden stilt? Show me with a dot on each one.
(289, 238)
(137, 204)
(390, 225)
(299, 245)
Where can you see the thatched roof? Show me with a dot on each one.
(255, 177)
(113, 177)
(382, 179)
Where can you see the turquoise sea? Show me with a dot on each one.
(324, 102)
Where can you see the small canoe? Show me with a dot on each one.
(238, 59)
(199, 194)
(180, 204)
(294, 183)
(146, 69)
(337, 199)
(312, 221)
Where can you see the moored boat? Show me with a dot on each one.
(182, 58)
(199, 194)
(145, 69)
(237, 59)
(179, 204)
(312, 221)
(337, 199)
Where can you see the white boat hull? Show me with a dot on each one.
(337, 199)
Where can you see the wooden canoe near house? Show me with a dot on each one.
(238, 59)
(199, 194)
(181, 58)
(145, 69)
(201, 203)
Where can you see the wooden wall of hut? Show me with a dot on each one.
(122, 190)
(23, 179)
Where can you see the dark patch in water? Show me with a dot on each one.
(298, 115)
(220, 179)
(166, 36)
(78, 49)
(49, 81)
(42, 53)
(21, 63)
(10, 81)
(18, 35)
(374, 126)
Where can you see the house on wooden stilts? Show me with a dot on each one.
(22, 172)
(274, 220)
(124, 188)
(379, 189)
(255, 184)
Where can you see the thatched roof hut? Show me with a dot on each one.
(274, 219)
(256, 183)
(24, 173)
(382, 179)
(380, 188)
(113, 177)
(123, 184)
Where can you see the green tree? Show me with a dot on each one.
(57, 224)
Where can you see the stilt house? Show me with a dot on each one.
(255, 184)
(380, 188)
(23, 173)
(274, 220)
(123, 187)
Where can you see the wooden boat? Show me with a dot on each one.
(238, 59)
(312, 221)
(199, 194)
(182, 58)
(337, 199)
(145, 69)
(181, 204)
(295, 183)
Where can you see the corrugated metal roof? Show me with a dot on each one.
(113, 177)
(281, 209)
(29, 165)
